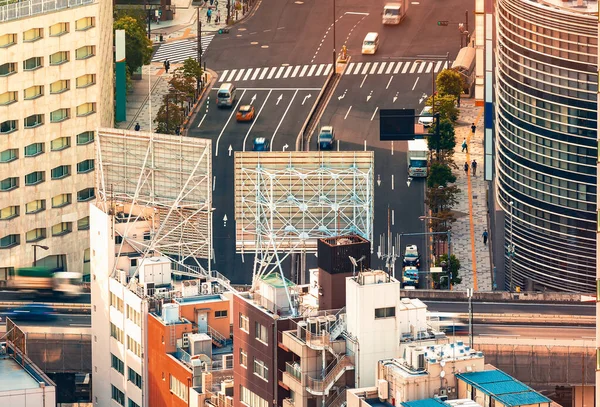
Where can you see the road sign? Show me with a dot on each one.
(396, 124)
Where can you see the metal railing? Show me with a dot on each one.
(339, 400)
(321, 386)
(183, 356)
(294, 371)
(288, 402)
(216, 336)
(29, 8)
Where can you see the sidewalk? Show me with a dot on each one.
(471, 210)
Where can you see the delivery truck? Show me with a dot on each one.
(418, 157)
(394, 13)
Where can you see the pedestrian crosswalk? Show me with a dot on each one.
(179, 51)
(358, 68)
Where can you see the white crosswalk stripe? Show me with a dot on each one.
(306, 71)
(179, 51)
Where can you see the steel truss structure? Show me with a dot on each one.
(168, 176)
(285, 201)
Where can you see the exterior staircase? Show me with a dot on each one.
(217, 339)
(320, 387)
(339, 401)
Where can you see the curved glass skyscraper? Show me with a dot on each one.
(546, 144)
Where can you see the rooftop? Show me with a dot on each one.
(13, 376)
(425, 403)
(502, 387)
(200, 299)
(275, 281)
(23, 9)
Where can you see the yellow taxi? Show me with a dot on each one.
(245, 113)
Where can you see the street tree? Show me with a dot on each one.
(452, 266)
(450, 82)
(138, 47)
(192, 69)
(440, 174)
(445, 105)
(447, 136)
(440, 199)
(182, 88)
(169, 118)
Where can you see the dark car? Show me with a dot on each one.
(326, 138)
(261, 144)
(32, 312)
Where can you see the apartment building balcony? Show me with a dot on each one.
(288, 403)
(317, 333)
(321, 386)
(291, 378)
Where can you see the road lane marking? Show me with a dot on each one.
(446, 65)
(227, 122)
(398, 68)
(414, 67)
(255, 119)
(366, 68)
(415, 85)
(363, 81)
(231, 75)
(423, 64)
(295, 71)
(223, 75)
(356, 13)
(256, 72)
(265, 89)
(248, 72)
(287, 72)
(303, 71)
(381, 68)
(373, 68)
(239, 75)
(429, 67)
(390, 81)
(282, 117)
(320, 69)
(350, 68)
(272, 72)
(374, 113)
(327, 69)
(202, 120)
(279, 72)
(263, 73)
(357, 70)
(312, 69)
(393, 217)
(406, 68)
(438, 65)
(392, 182)
(390, 66)
(214, 182)
(348, 112)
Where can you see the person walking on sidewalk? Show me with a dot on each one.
(485, 236)
(466, 169)
(474, 168)
(137, 127)
(208, 15)
(465, 146)
(218, 17)
(473, 128)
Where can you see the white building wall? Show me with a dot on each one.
(41, 397)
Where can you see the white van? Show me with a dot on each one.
(371, 43)
(226, 95)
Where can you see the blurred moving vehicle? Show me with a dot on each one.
(226, 95)
(245, 113)
(32, 312)
(411, 256)
(42, 280)
(326, 138)
(261, 144)
(394, 13)
(370, 43)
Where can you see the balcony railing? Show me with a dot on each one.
(288, 402)
(322, 386)
(294, 371)
(29, 8)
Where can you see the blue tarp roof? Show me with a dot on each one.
(424, 403)
(502, 387)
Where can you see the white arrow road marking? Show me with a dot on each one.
(343, 95)
(348, 112)
(395, 97)
(224, 220)
(408, 181)
(415, 85)
(284, 147)
(390, 81)
(254, 98)
(227, 122)
(422, 98)
(279, 99)
(378, 180)
(281, 121)
(374, 113)
(256, 118)
(370, 96)
(230, 149)
(306, 97)
(363, 81)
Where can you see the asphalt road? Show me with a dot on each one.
(60, 320)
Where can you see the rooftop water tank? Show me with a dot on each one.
(170, 313)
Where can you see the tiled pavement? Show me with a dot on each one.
(471, 210)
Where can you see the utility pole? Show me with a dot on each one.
(470, 296)
(199, 45)
(334, 58)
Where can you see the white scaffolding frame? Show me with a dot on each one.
(169, 175)
(286, 201)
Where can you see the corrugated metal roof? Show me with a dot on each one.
(424, 403)
(502, 387)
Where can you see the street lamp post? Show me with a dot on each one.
(334, 58)
(35, 246)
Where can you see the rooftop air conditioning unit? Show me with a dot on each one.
(312, 325)
(382, 389)
(206, 289)
(186, 340)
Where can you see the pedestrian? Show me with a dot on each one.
(474, 168)
(466, 169)
(137, 127)
(166, 65)
(211, 2)
(208, 15)
(216, 4)
(218, 17)
(485, 236)
(465, 146)
(473, 128)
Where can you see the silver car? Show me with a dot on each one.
(426, 116)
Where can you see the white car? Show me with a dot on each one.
(426, 116)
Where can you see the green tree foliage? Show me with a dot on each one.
(447, 136)
(440, 174)
(169, 124)
(440, 199)
(450, 82)
(192, 69)
(182, 88)
(452, 266)
(445, 105)
(138, 48)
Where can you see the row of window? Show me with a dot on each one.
(56, 116)
(35, 235)
(178, 388)
(134, 346)
(36, 91)
(249, 398)
(55, 30)
(39, 205)
(134, 316)
(58, 144)
(116, 302)
(132, 375)
(260, 331)
(58, 58)
(37, 177)
(259, 367)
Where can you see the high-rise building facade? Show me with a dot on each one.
(56, 87)
(546, 144)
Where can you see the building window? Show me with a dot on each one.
(117, 364)
(58, 201)
(131, 403)
(134, 347)
(134, 377)
(62, 228)
(8, 184)
(60, 143)
(261, 333)
(86, 109)
(84, 23)
(85, 138)
(118, 396)
(260, 369)
(9, 212)
(243, 358)
(221, 314)
(83, 223)
(8, 40)
(33, 34)
(9, 155)
(32, 63)
(8, 126)
(385, 312)
(116, 332)
(35, 234)
(8, 97)
(116, 302)
(244, 323)
(85, 195)
(34, 178)
(251, 399)
(33, 121)
(59, 115)
(86, 80)
(35, 206)
(59, 29)
(178, 388)
(59, 58)
(59, 86)
(33, 92)
(84, 52)
(34, 149)
(134, 316)
(9, 241)
(60, 172)
(8, 68)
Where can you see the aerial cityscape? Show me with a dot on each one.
(299, 203)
